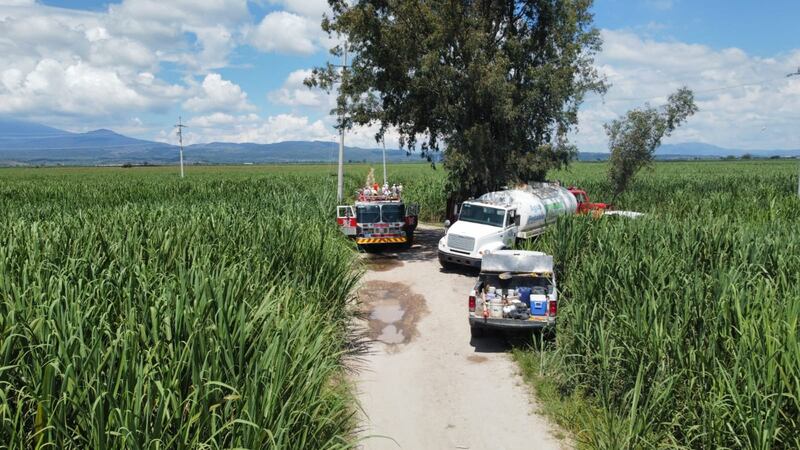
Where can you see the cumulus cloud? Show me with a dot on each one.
(216, 94)
(295, 93)
(63, 62)
(285, 32)
(221, 127)
(73, 89)
(172, 27)
(313, 9)
(738, 94)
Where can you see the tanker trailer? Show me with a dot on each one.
(495, 220)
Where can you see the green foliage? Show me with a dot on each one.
(634, 139)
(497, 83)
(681, 327)
(140, 311)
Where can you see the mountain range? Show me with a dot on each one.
(26, 143)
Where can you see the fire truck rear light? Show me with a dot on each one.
(472, 303)
(553, 308)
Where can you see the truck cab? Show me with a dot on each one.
(481, 227)
(516, 290)
(585, 205)
(378, 219)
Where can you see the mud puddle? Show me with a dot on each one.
(382, 263)
(392, 311)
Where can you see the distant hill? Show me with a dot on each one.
(25, 143)
(698, 149)
(693, 150)
(290, 151)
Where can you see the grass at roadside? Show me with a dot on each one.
(140, 311)
(679, 329)
(568, 410)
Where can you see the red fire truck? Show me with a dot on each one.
(379, 216)
(586, 206)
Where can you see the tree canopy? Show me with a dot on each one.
(633, 139)
(495, 84)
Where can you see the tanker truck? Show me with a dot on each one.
(497, 219)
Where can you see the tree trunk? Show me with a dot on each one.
(451, 213)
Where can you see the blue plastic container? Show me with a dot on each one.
(525, 295)
(539, 307)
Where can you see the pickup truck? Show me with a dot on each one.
(516, 290)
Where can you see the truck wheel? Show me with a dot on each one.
(476, 332)
(409, 239)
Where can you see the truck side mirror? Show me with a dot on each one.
(517, 220)
(447, 224)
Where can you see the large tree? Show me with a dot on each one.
(634, 138)
(496, 84)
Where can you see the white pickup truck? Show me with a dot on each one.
(495, 220)
(516, 290)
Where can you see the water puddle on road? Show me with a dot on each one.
(392, 311)
(382, 263)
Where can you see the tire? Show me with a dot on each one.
(409, 239)
(476, 332)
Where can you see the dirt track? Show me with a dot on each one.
(425, 385)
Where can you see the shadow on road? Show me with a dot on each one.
(498, 341)
(424, 248)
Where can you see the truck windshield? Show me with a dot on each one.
(368, 214)
(482, 214)
(392, 213)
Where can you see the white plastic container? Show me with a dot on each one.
(496, 309)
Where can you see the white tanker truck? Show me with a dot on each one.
(495, 220)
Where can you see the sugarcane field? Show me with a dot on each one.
(405, 224)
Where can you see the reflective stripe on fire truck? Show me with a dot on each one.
(395, 240)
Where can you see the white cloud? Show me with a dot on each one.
(220, 127)
(221, 120)
(313, 9)
(172, 26)
(295, 93)
(738, 94)
(284, 32)
(73, 89)
(216, 94)
(16, 2)
(57, 63)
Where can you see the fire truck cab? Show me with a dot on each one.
(379, 219)
(586, 206)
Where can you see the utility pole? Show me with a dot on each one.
(385, 180)
(794, 74)
(180, 126)
(340, 176)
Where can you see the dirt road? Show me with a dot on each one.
(425, 385)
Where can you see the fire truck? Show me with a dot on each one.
(379, 216)
(586, 206)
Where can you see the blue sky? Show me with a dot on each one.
(233, 69)
(759, 28)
